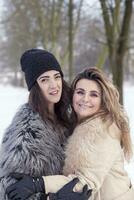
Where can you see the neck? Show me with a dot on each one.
(51, 112)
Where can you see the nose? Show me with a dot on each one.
(86, 98)
(52, 83)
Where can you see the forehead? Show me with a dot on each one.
(88, 85)
(49, 73)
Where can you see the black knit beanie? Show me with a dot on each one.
(34, 62)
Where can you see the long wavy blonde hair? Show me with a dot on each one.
(111, 107)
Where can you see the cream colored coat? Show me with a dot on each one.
(94, 154)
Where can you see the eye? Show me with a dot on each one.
(94, 95)
(44, 80)
(58, 77)
(79, 92)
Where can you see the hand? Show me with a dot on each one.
(67, 193)
(24, 187)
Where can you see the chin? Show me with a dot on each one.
(56, 100)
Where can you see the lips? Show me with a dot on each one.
(54, 92)
(83, 106)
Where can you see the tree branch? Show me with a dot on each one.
(107, 24)
(123, 39)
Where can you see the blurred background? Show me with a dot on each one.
(80, 33)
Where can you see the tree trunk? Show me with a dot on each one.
(116, 63)
(70, 39)
(117, 38)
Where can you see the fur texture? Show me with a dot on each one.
(30, 146)
(95, 156)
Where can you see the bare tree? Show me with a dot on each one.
(29, 24)
(117, 27)
(73, 24)
(70, 39)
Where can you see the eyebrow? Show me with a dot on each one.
(44, 76)
(80, 89)
(90, 91)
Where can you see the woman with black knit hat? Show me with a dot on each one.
(34, 142)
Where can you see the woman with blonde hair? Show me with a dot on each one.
(100, 143)
(96, 150)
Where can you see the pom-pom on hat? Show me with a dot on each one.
(34, 62)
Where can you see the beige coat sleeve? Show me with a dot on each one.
(55, 182)
(90, 154)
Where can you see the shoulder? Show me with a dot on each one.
(22, 117)
(89, 127)
(24, 122)
(98, 125)
(98, 132)
(23, 113)
(90, 123)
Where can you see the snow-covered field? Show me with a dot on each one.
(11, 98)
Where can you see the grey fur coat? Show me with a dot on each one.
(30, 146)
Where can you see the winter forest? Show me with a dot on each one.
(80, 33)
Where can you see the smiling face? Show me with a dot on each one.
(50, 83)
(86, 98)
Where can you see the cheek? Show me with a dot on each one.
(44, 91)
(98, 103)
(60, 83)
(74, 100)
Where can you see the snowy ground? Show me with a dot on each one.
(11, 98)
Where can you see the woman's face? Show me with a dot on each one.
(50, 83)
(86, 98)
